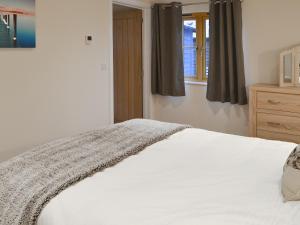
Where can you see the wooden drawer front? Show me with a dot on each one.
(279, 124)
(280, 102)
(278, 136)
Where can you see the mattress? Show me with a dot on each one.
(193, 177)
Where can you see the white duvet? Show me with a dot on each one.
(194, 177)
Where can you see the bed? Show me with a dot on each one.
(192, 177)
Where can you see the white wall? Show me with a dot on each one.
(59, 88)
(62, 87)
(269, 27)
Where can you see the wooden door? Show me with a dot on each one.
(128, 75)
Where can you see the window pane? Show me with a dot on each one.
(190, 62)
(189, 33)
(206, 46)
(190, 50)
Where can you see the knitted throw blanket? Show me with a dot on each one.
(29, 181)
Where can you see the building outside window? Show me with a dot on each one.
(196, 47)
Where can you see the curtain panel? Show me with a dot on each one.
(226, 80)
(167, 76)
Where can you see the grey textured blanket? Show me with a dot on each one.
(29, 181)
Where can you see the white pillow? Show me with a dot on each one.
(291, 177)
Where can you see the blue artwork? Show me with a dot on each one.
(17, 23)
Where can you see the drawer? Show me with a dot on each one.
(278, 123)
(277, 101)
(278, 136)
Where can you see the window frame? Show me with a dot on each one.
(200, 44)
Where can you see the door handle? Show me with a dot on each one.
(274, 124)
(272, 102)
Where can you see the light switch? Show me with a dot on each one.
(103, 67)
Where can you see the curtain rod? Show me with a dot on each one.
(196, 3)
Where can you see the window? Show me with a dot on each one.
(196, 46)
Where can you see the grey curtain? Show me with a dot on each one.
(167, 57)
(226, 78)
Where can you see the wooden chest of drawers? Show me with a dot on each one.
(275, 112)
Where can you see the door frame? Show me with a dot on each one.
(146, 40)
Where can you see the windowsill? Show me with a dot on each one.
(202, 83)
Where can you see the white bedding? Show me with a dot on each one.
(194, 177)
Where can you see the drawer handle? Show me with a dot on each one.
(273, 124)
(273, 102)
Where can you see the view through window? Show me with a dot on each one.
(196, 46)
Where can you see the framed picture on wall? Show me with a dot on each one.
(17, 24)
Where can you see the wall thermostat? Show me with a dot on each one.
(88, 39)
